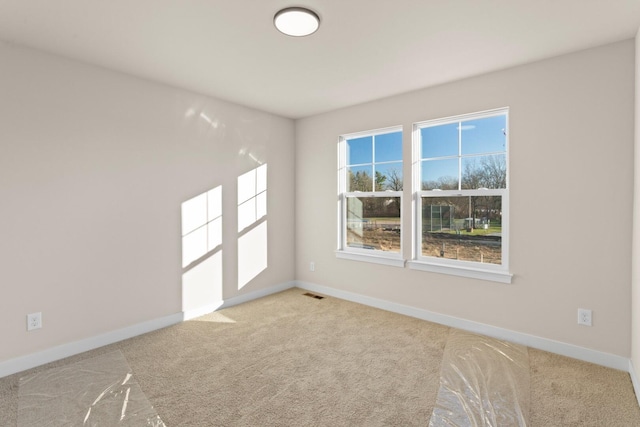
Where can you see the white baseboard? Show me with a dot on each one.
(634, 381)
(23, 363)
(557, 347)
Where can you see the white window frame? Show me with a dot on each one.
(353, 253)
(484, 271)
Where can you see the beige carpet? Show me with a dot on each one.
(292, 360)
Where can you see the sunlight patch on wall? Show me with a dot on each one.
(252, 224)
(201, 225)
(202, 284)
(252, 254)
(202, 236)
(252, 197)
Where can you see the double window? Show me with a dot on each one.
(460, 195)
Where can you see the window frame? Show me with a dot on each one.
(343, 250)
(485, 271)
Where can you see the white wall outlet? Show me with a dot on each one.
(312, 266)
(584, 317)
(34, 321)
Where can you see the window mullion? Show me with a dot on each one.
(342, 188)
(459, 155)
(373, 163)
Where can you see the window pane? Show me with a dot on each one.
(467, 228)
(440, 174)
(373, 223)
(439, 141)
(360, 150)
(484, 172)
(484, 135)
(388, 147)
(359, 178)
(389, 177)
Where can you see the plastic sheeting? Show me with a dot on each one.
(95, 392)
(483, 382)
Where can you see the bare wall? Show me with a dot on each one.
(94, 167)
(571, 163)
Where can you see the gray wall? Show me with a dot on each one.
(635, 267)
(571, 191)
(94, 167)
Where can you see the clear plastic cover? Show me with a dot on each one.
(483, 382)
(95, 392)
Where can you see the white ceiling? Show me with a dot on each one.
(364, 49)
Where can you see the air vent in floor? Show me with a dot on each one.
(308, 294)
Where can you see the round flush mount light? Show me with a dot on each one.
(296, 21)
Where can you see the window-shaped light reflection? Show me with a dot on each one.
(252, 196)
(201, 225)
(194, 213)
(194, 245)
(252, 224)
(252, 254)
(202, 234)
(202, 285)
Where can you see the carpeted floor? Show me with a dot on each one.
(292, 360)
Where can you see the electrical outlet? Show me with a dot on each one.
(312, 266)
(34, 321)
(584, 317)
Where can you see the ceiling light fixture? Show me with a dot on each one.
(296, 21)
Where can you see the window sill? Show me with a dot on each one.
(376, 259)
(474, 273)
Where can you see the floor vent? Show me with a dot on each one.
(308, 294)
